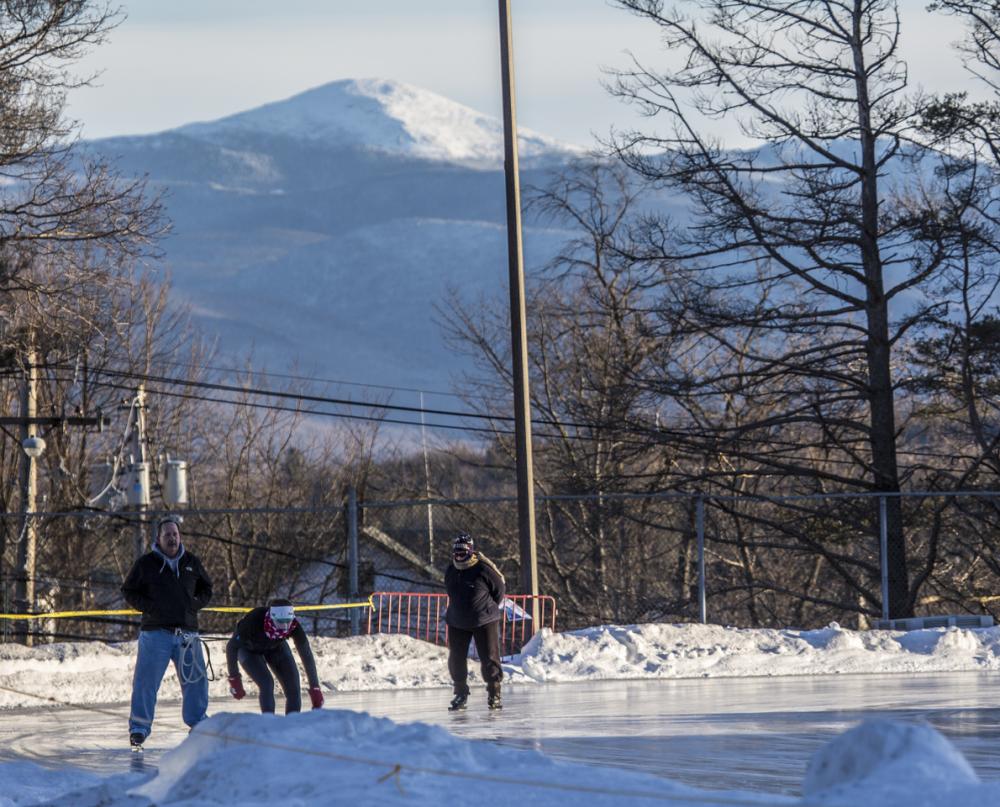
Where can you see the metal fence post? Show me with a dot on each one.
(352, 556)
(883, 532)
(699, 523)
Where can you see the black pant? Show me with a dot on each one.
(279, 661)
(487, 645)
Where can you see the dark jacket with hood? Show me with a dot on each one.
(250, 636)
(474, 593)
(168, 591)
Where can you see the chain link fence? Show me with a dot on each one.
(733, 559)
(798, 561)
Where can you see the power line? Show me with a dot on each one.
(652, 434)
(302, 411)
(660, 431)
(348, 402)
(320, 379)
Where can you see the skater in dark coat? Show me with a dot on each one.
(169, 586)
(260, 645)
(476, 588)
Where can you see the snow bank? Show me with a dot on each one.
(326, 757)
(694, 651)
(91, 672)
(24, 783)
(341, 757)
(883, 762)
(96, 673)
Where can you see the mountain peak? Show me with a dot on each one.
(386, 116)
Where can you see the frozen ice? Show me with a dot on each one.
(258, 760)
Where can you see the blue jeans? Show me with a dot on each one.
(157, 648)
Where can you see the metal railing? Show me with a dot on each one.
(420, 614)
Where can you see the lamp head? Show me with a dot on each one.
(33, 446)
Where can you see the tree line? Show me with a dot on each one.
(809, 312)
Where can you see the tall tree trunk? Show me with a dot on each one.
(878, 349)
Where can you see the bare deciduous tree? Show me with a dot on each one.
(827, 206)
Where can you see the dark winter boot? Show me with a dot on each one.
(494, 701)
(459, 702)
(136, 740)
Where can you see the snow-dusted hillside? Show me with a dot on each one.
(384, 116)
(322, 231)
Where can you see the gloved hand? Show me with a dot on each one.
(316, 696)
(236, 687)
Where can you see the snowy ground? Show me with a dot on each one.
(720, 735)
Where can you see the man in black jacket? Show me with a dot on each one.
(169, 586)
(475, 591)
(260, 644)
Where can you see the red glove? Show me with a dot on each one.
(236, 687)
(316, 696)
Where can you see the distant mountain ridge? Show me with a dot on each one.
(384, 116)
(323, 230)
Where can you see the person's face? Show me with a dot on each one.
(170, 539)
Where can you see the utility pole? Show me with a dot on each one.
(518, 327)
(427, 486)
(27, 542)
(138, 480)
(353, 557)
(32, 446)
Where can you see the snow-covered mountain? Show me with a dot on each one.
(386, 117)
(322, 231)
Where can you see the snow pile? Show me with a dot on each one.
(386, 116)
(24, 783)
(883, 762)
(92, 671)
(258, 761)
(255, 760)
(98, 673)
(691, 651)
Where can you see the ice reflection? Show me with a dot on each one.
(747, 734)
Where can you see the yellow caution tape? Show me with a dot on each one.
(218, 610)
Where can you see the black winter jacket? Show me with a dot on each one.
(474, 594)
(168, 599)
(250, 636)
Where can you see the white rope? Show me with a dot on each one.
(192, 668)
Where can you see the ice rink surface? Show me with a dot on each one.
(719, 733)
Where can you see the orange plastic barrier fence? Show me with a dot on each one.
(421, 615)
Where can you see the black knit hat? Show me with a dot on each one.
(463, 544)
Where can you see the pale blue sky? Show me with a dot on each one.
(176, 61)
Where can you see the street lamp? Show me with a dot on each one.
(33, 446)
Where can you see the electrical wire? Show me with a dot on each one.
(347, 402)
(652, 434)
(319, 379)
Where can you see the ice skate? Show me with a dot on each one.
(458, 703)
